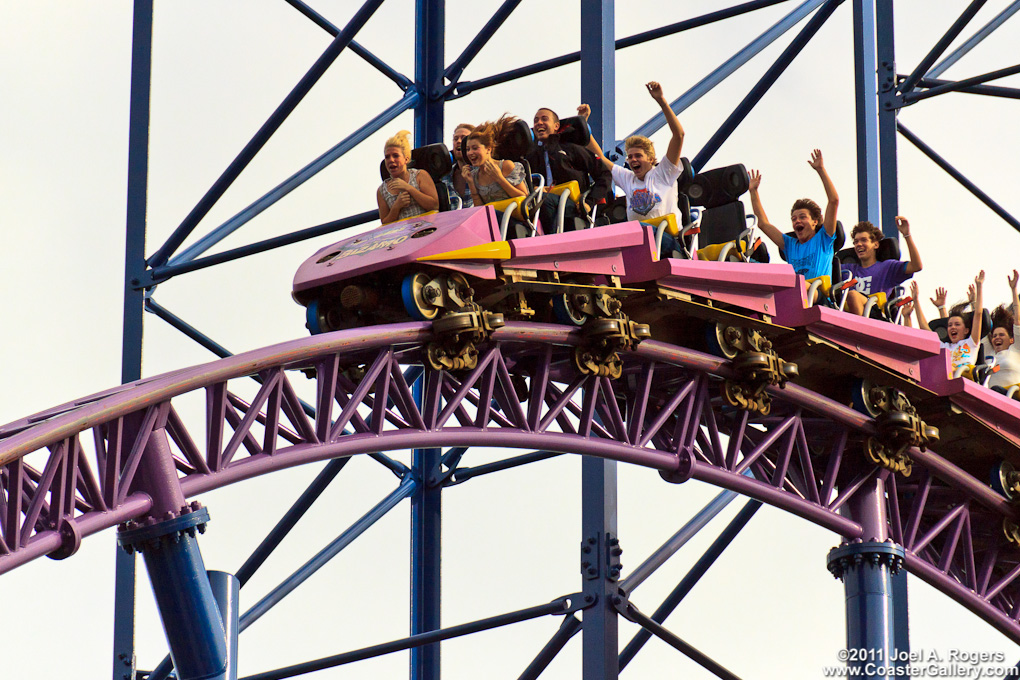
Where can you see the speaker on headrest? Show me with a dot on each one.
(516, 141)
(713, 188)
(434, 159)
(888, 249)
(574, 130)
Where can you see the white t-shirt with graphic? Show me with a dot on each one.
(654, 196)
(962, 353)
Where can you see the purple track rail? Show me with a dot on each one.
(68, 472)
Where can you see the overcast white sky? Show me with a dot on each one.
(768, 609)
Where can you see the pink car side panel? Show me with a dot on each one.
(394, 244)
(588, 251)
(750, 285)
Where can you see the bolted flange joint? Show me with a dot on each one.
(152, 533)
(853, 555)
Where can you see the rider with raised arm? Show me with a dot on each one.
(874, 276)
(650, 187)
(1004, 331)
(810, 249)
(963, 348)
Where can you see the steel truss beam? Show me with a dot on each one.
(940, 517)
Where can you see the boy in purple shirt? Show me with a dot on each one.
(874, 276)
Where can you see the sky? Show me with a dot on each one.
(768, 609)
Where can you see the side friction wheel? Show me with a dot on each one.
(565, 312)
(722, 340)
(412, 292)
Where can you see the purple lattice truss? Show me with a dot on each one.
(71, 471)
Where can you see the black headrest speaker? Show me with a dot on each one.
(434, 159)
(717, 187)
(574, 130)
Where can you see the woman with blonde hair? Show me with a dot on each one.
(408, 191)
(489, 179)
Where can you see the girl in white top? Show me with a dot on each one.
(963, 348)
(1004, 331)
(650, 187)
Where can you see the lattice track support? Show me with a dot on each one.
(876, 589)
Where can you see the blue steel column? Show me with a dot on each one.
(600, 635)
(866, 87)
(134, 265)
(889, 101)
(875, 587)
(426, 503)
(426, 555)
(429, 36)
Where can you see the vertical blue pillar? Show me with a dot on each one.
(599, 569)
(134, 265)
(598, 68)
(875, 586)
(426, 503)
(866, 87)
(426, 554)
(598, 477)
(429, 36)
(888, 107)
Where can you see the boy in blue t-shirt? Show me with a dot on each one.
(809, 250)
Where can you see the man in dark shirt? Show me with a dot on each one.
(564, 162)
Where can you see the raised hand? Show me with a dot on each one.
(903, 226)
(816, 160)
(980, 278)
(1013, 280)
(755, 181)
(655, 90)
(584, 111)
(940, 297)
(913, 291)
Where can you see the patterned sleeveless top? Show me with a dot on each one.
(494, 192)
(412, 208)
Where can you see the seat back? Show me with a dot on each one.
(725, 223)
